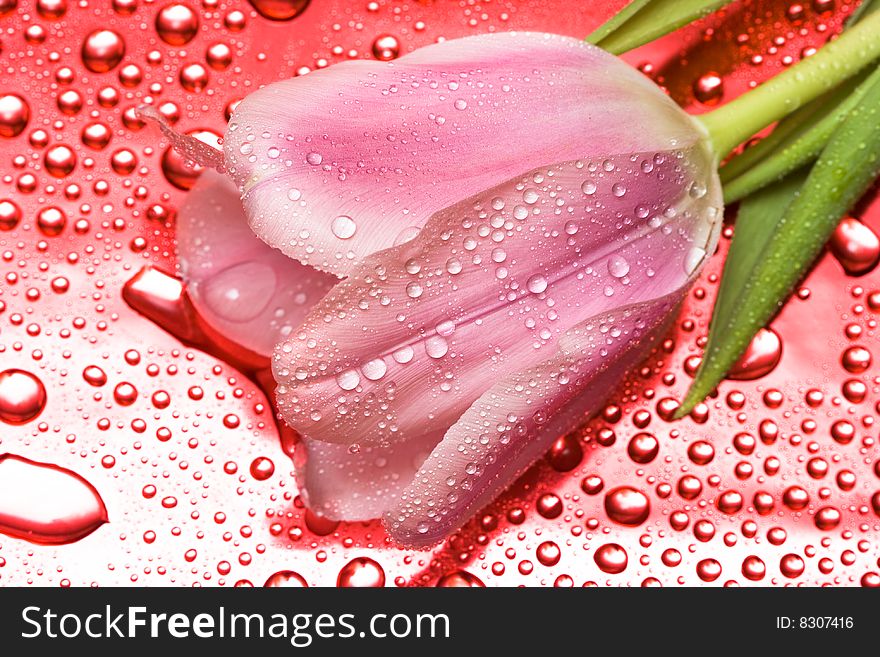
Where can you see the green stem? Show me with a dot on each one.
(787, 130)
(804, 146)
(733, 123)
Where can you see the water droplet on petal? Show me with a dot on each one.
(343, 227)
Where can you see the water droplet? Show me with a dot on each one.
(51, 221)
(344, 227)
(286, 579)
(701, 452)
(194, 77)
(611, 558)
(549, 506)
(262, 468)
(10, 214)
(102, 51)
(643, 448)
(241, 292)
(177, 167)
(348, 380)
(436, 346)
(51, 9)
(361, 572)
(460, 579)
(709, 88)
(536, 284)
(14, 115)
(176, 24)
(760, 358)
(618, 266)
(855, 246)
(753, 568)
(46, 504)
(22, 396)
(279, 10)
(627, 506)
(566, 453)
(320, 525)
(386, 47)
(856, 359)
(708, 570)
(94, 376)
(125, 394)
(60, 161)
(548, 553)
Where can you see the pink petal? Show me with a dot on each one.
(514, 422)
(342, 484)
(354, 158)
(249, 292)
(417, 333)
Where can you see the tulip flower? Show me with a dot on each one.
(516, 218)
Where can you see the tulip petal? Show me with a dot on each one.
(354, 158)
(248, 291)
(417, 333)
(344, 485)
(516, 420)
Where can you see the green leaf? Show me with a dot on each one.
(613, 23)
(756, 221)
(867, 7)
(800, 143)
(642, 21)
(798, 138)
(767, 274)
(786, 132)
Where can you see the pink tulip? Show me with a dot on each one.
(517, 215)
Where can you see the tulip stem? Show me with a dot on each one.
(740, 119)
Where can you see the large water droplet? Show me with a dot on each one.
(343, 227)
(241, 292)
(22, 396)
(46, 504)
